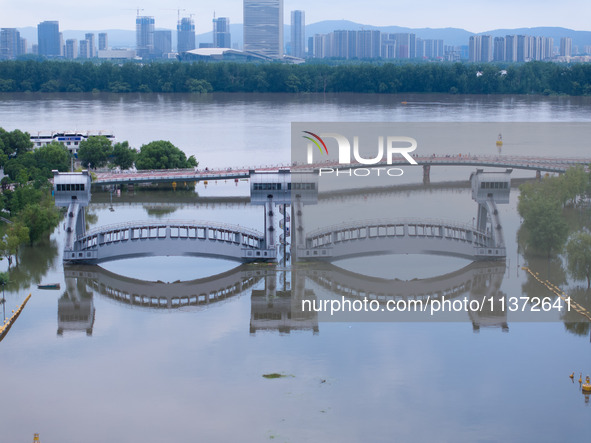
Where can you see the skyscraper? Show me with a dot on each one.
(10, 43)
(298, 33)
(48, 38)
(566, 46)
(91, 45)
(499, 49)
(511, 48)
(103, 41)
(474, 48)
(405, 45)
(71, 48)
(263, 27)
(144, 36)
(162, 43)
(486, 51)
(84, 49)
(221, 33)
(185, 33)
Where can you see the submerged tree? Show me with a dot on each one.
(578, 254)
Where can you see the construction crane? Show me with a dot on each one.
(133, 9)
(178, 12)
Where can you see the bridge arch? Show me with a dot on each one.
(169, 238)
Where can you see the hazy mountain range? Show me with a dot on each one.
(451, 36)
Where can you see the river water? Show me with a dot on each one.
(85, 363)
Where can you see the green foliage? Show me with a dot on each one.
(578, 253)
(544, 229)
(16, 234)
(163, 155)
(39, 219)
(52, 156)
(14, 143)
(123, 155)
(95, 151)
(376, 76)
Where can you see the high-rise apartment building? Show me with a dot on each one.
(405, 45)
(162, 43)
(22, 46)
(10, 43)
(486, 51)
(340, 44)
(91, 45)
(144, 36)
(389, 46)
(221, 33)
(48, 38)
(298, 33)
(368, 44)
(566, 46)
(499, 49)
(84, 49)
(263, 27)
(71, 48)
(511, 48)
(185, 34)
(103, 41)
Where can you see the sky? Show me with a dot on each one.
(472, 15)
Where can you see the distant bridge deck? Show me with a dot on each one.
(542, 164)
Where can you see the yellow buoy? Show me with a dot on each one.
(586, 387)
(572, 375)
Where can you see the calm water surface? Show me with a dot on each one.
(81, 363)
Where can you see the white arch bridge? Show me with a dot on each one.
(169, 238)
(375, 237)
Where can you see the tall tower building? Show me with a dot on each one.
(499, 49)
(406, 45)
(474, 48)
(511, 48)
(486, 51)
(48, 38)
(263, 27)
(103, 41)
(10, 43)
(162, 43)
(298, 33)
(71, 48)
(84, 49)
(144, 36)
(91, 45)
(185, 34)
(566, 46)
(221, 33)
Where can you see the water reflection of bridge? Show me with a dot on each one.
(277, 304)
(160, 295)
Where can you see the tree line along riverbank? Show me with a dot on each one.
(545, 78)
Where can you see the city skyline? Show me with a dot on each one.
(476, 17)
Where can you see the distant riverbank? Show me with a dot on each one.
(540, 78)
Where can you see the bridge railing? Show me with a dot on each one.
(123, 232)
(173, 223)
(408, 227)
